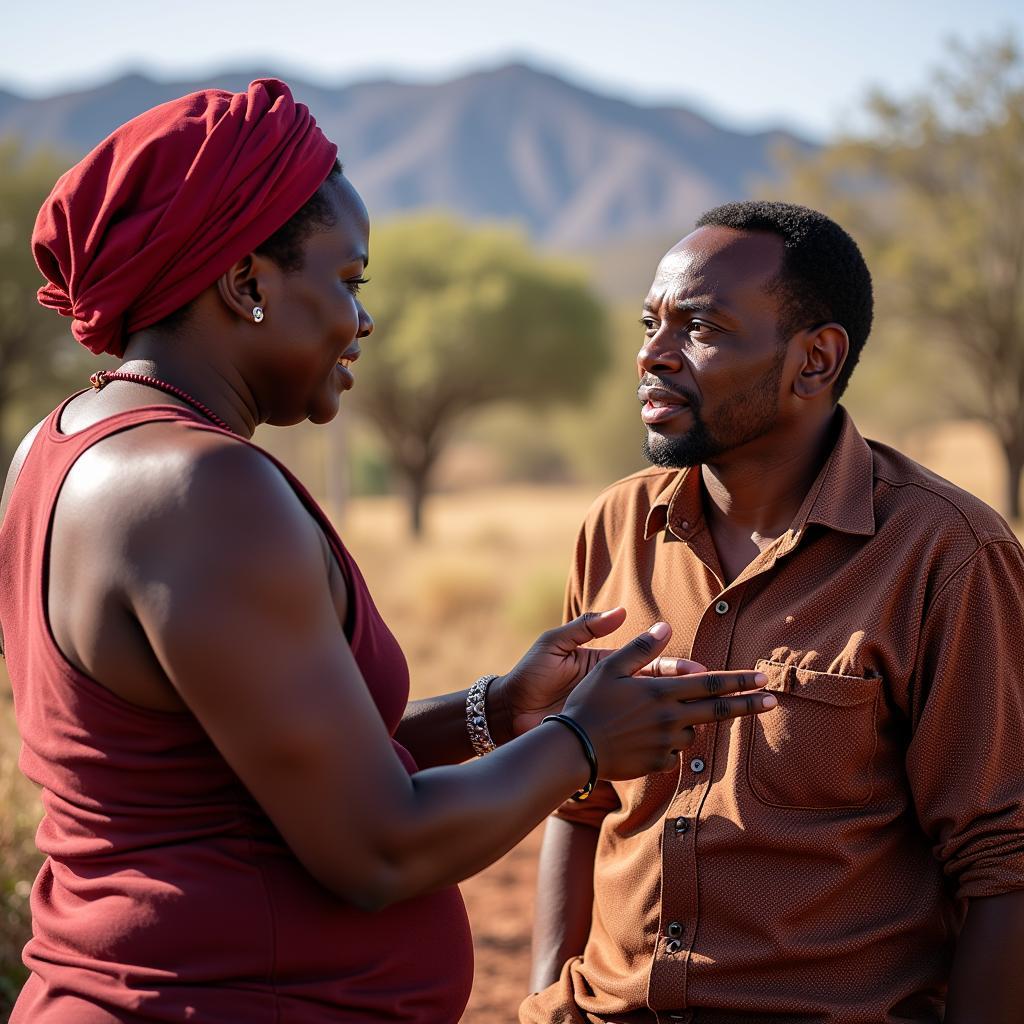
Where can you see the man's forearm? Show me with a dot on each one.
(987, 982)
(565, 896)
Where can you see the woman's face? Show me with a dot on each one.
(316, 319)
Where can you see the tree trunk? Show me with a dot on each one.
(416, 459)
(418, 479)
(1014, 453)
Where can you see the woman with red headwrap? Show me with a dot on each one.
(243, 819)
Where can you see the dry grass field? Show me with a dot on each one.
(470, 600)
(467, 600)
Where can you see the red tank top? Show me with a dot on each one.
(167, 894)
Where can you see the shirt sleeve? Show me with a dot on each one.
(603, 797)
(965, 761)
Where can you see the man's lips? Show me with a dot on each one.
(660, 404)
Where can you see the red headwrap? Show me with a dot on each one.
(164, 206)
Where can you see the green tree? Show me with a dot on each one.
(467, 316)
(932, 190)
(37, 356)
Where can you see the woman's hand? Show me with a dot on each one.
(551, 668)
(638, 724)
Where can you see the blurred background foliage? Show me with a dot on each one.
(932, 191)
(37, 363)
(468, 316)
(493, 360)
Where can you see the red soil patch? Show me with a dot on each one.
(500, 903)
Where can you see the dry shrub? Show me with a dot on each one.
(20, 811)
(536, 604)
(446, 590)
(494, 538)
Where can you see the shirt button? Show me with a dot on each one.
(682, 826)
(696, 765)
(673, 946)
(722, 607)
(675, 929)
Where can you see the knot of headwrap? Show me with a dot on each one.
(169, 201)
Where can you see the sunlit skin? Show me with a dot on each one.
(186, 573)
(282, 370)
(720, 388)
(723, 390)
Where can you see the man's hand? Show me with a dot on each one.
(987, 985)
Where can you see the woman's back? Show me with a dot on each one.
(167, 891)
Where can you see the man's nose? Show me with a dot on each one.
(659, 354)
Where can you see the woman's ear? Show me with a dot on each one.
(243, 286)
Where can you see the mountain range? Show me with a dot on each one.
(577, 168)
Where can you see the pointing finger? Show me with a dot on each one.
(721, 708)
(712, 684)
(641, 650)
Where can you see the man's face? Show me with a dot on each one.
(712, 362)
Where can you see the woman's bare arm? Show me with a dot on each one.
(229, 578)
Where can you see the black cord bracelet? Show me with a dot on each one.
(588, 750)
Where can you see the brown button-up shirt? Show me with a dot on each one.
(812, 864)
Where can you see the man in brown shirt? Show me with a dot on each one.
(856, 854)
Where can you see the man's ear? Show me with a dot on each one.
(824, 349)
(244, 285)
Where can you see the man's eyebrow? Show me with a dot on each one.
(698, 305)
(701, 305)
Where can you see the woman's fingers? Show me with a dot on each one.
(719, 709)
(640, 651)
(711, 684)
(584, 628)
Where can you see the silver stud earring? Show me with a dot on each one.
(257, 314)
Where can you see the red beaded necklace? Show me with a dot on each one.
(103, 377)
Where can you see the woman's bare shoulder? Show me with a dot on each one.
(163, 499)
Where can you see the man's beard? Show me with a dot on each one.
(746, 416)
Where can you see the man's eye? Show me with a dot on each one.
(699, 327)
(648, 324)
(355, 283)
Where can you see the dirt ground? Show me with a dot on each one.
(500, 904)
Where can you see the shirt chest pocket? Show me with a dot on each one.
(816, 749)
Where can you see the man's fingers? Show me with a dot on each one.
(586, 627)
(671, 667)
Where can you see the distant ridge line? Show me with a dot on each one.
(574, 166)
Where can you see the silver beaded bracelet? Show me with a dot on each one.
(476, 716)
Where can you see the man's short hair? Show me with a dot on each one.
(823, 277)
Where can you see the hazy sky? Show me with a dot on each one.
(803, 63)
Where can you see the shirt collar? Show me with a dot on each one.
(841, 498)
